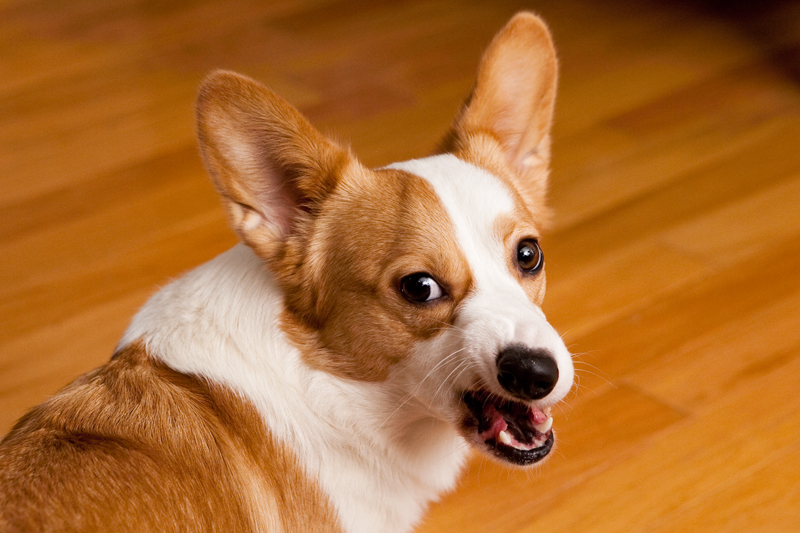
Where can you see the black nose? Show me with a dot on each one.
(527, 374)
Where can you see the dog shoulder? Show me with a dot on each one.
(136, 446)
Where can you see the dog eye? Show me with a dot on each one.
(529, 256)
(420, 287)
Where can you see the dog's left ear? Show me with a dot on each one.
(512, 104)
(271, 167)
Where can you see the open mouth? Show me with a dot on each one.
(512, 431)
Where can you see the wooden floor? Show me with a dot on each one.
(673, 266)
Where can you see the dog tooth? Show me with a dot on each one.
(504, 437)
(545, 426)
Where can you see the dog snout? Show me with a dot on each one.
(527, 373)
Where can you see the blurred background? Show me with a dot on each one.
(673, 263)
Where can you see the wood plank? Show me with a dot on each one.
(760, 159)
(660, 327)
(773, 508)
(743, 228)
(757, 422)
(708, 365)
(496, 498)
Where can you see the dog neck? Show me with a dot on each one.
(379, 456)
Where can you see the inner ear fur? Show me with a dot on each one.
(511, 107)
(270, 166)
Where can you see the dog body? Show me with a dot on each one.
(332, 372)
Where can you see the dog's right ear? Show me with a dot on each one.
(512, 104)
(268, 163)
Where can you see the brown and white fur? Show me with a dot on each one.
(331, 372)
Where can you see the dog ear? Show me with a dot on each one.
(268, 163)
(513, 102)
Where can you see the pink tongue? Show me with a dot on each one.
(538, 416)
(498, 423)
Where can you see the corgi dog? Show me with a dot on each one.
(333, 371)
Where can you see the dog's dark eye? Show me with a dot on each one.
(529, 256)
(420, 287)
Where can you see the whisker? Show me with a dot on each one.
(411, 394)
(449, 326)
(567, 332)
(461, 368)
(577, 356)
(598, 376)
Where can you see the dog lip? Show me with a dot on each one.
(509, 430)
(523, 457)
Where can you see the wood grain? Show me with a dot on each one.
(673, 263)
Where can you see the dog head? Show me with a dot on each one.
(426, 273)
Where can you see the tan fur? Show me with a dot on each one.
(135, 446)
(394, 226)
